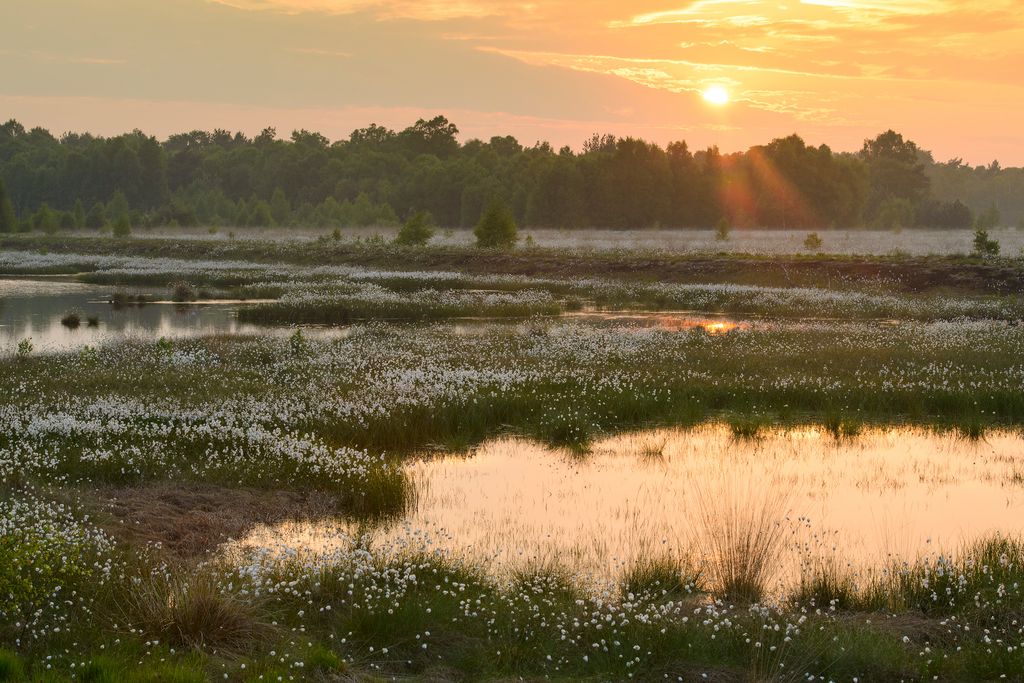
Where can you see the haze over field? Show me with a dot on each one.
(735, 73)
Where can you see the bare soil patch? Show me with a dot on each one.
(188, 520)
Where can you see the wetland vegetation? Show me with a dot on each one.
(341, 483)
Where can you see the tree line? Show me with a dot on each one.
(379, 176)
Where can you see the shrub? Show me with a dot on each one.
(97, 217)
(497, 227)
(71, 320)
(183, 291)
(25, 347)
(416, 231)
(812, 242)
(985, 246)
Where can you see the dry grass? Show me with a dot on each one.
(190, 520)
(193, 610)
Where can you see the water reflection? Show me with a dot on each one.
(664, 320)
(895, 493)
(34, 308)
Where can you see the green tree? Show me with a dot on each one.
(416, 231)
(122, 225)
(280, 207)
(96, 219)
(895, 212)
(895, 171)
(118, 206)
(8, 221)
(985, 246)
(45, 220)
(497, 227)
(260, 215)
(79, 213)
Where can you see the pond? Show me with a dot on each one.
(886, 494)
(34, 307)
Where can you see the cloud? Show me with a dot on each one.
(423, 10)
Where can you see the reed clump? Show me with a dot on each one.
(742, 538)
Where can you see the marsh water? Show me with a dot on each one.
(886, 494)
(33, 308)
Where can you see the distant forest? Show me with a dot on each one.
(380, 176)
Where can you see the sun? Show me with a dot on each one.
(716, 95)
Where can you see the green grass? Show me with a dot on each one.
(348, 310)
(233, 411)
(911, 274)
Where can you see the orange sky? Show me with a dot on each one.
(947, 73)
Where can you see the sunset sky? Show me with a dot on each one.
(946, 73)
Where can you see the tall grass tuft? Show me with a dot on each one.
(842, 428)
(742, 539)
(661, 576)
(195, 611)
(971, 430)
(827, 586)
(747, 428)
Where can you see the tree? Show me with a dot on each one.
(96, 219)
(988, 219)
(122, 225)
(118, 206)
(436, 136)
(260, 215)
(45, 220)
(894, 171)
(8, 221)
(78, 213)
(895, 212)
(416, 231)
(985, 246)
(497, 227)
(280, 207)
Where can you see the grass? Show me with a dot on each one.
(842, 427)
(747, 428)
(742, 536)
(350, 309)
(193, 610)
(86, 599)
(662, 576)
(910, 274)
(361, 613)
